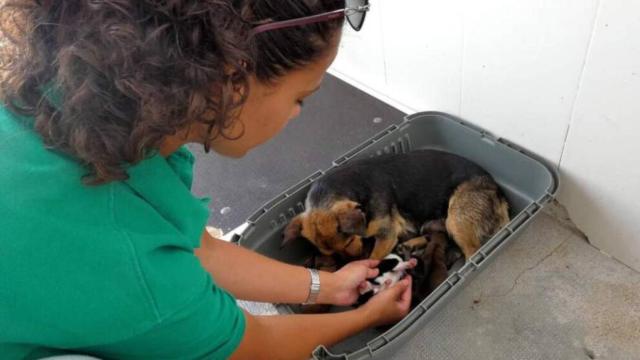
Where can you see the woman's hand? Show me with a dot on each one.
(342, 287)
(269, 337)
(390, 305)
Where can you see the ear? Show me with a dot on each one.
(352, 220)
(292, 231)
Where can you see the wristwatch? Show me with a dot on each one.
(314, 287)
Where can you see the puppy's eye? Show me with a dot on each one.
(349, 241)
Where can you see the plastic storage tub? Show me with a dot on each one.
(528, 181)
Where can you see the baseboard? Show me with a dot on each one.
(373, 92)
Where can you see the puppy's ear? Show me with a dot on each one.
(292, 231)
(351, 218)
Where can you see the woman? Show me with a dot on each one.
(103, 246)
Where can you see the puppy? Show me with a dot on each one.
(390, 197)
(391, 270)
(431, 269)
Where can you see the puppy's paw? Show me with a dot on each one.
(412, 246)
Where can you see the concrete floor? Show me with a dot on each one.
(548, 295)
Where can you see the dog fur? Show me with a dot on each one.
(392, 198)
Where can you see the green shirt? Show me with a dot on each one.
(105, 270)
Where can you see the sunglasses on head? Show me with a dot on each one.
(354, 11)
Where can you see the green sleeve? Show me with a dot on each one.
(194, 318)
(209, 327)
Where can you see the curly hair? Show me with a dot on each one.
(107, 80)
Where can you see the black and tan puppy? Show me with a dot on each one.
(432, 269)
(391, 197)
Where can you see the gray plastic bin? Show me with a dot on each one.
(528, 181)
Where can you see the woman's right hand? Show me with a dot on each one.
(268, 337)
(390, 305)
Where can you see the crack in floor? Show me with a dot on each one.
(517, 279)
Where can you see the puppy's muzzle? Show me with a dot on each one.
(355, 247)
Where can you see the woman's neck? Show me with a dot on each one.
(172, 143)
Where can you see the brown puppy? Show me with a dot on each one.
(431, 270)
(338, 229)
(343, 227)
(475, 213)
(436, 258)
(389, 197)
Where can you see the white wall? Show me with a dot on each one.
(555, 76)
(601, 162)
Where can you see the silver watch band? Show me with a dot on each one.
(314, 287)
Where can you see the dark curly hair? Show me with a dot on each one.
(108, 80)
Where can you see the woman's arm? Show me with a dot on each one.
(296, 336)
(251, 276)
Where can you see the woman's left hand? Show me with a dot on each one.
(343, 286)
